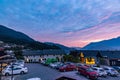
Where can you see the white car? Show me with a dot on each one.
(54, 65)
(100, 71)
(111, 71)
(17, 64)
(16, 70)
(21, 62)
(42, 62)
(34, 79)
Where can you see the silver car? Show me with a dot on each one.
(101, 72)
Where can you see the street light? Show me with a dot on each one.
(12, 71)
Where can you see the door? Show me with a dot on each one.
(16, 70)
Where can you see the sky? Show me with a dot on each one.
(68, 22)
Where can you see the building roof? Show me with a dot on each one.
(42, 52)
(109, 54)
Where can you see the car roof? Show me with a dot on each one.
(84, 67)
(97, 67)
(109, 67)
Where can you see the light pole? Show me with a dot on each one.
(12, 77)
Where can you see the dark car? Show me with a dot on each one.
(88, 72)
(69, 67)
(117, 68)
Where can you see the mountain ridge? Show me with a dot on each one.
(110, 44)
(8, 35)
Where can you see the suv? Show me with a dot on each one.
(16, 70)
(88, 72)
(111, 71)
(100, 71)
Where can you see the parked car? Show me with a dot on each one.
(49, 61)
(117, 68)
(16, 70)
(79, 64)
(54, 65)
(17, 64)
(42, 62)
(69, 63)
(20, 61)
(59, 65)
(68, 67)
(88, 72)
(34, 79)
(111, 71)
(101, 72)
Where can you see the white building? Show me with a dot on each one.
(39, 55)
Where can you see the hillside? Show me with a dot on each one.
(65, 48)
(111, 44)
(11, 36)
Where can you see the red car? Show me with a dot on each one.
(88, 72)
(69, 67)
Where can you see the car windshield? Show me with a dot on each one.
(101, 70)
(90, 70)
(112, 69)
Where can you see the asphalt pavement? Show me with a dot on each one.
(47, 73)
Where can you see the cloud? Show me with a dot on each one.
(62, 21)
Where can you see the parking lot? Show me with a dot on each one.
(47, 73)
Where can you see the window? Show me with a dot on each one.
(106, 68)
(16, 68)
(94, 69)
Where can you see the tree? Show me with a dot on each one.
(98, 56)
(18, 53)
(72, 57)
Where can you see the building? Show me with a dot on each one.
(108, 57)
(39, 55)
(89, 60)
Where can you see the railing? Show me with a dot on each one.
(6, 61)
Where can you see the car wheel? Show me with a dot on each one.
(22, 72)
(7, 74)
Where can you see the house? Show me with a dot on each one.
(108, 57)
(89, 60)
(40, 55)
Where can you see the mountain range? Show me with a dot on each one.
(111, 44)
(11, 36)
(65, 48)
